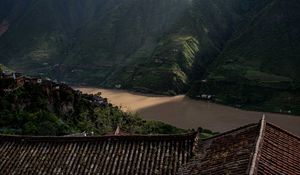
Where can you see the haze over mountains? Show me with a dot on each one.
(163, 46)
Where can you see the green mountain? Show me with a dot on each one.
(161, 46)
(84, 41)
(267, 47)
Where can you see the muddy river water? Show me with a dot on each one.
(184, 112)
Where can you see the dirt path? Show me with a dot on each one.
(183, 112)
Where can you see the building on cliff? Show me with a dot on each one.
(260, 148)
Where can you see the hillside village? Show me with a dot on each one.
(16, 80)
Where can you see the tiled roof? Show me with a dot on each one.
(280, 152)
(95, 155)
(229, 153)
(261, 148)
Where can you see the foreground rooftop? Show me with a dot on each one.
(95, 155)
(260, 148)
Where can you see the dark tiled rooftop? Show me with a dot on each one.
(280, 152)
(229, 153)
(261, 148)
(95, 155)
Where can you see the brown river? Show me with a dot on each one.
(183, 112)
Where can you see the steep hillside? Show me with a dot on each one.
(84, 41)
(258, 68)
(132, 43)
(268, 44)
(158, 46)
(183, 54)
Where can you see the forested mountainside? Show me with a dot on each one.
(161, 46)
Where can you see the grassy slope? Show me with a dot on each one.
(182, 55)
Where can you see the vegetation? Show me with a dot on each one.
(4, 68)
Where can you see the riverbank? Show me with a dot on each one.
(184, 112)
